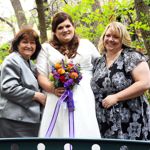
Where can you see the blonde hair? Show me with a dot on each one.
(123, 33)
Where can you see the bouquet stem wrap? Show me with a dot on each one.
(67, 97)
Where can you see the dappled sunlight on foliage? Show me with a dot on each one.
(90, 23)
(4, 51)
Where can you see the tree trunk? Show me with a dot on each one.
(94, 7)
(21, 19)
(143, 15)
(42, 22)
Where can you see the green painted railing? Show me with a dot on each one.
(77, 144)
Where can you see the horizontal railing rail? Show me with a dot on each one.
(77, 144)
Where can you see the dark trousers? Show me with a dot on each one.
(12, 128)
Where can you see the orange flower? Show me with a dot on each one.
(61, 71)
(58, 65)
(73, 75)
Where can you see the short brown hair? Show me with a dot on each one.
(29, 33)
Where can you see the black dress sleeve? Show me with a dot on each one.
(132, 58)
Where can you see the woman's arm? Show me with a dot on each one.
(48, 86)
(141, 76)
(45, 84)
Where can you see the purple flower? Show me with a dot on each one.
(56, 76)
(68, 83)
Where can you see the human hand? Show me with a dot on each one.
(40, 97)
(59, 91)
(109, 101)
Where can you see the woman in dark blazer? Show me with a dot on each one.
(21, 99)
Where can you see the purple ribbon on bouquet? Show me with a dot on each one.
(67, 97)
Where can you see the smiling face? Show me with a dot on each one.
(65, 32)
(112, 40)
(26, 48)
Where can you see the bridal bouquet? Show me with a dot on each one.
(65, 74)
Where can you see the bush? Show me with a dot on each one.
(4, 51)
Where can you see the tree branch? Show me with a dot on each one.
(10, 24)
(65, 2)
(7, 22)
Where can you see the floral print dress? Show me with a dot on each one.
(129, 119)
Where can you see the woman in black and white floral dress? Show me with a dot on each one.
(121, 76)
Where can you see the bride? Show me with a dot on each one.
(66, 43)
